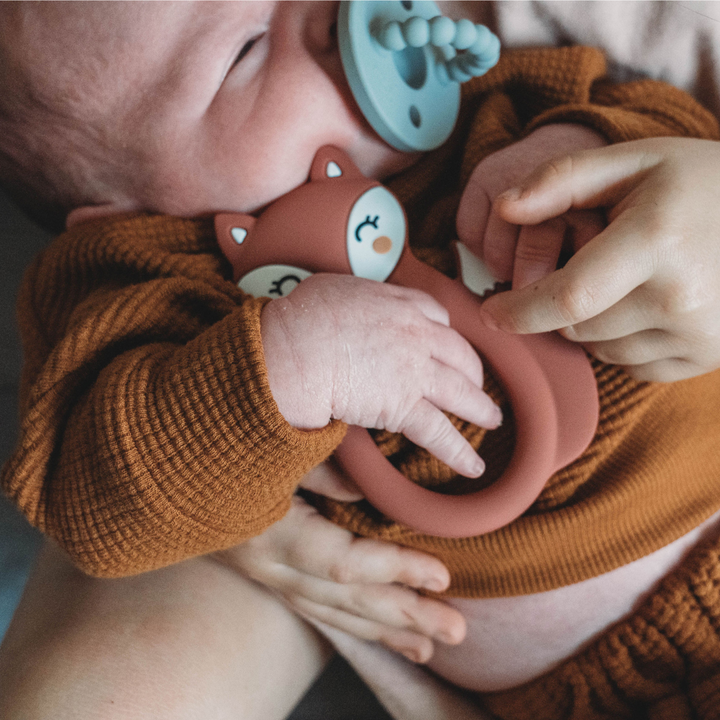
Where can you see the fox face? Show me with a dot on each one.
(339, 221)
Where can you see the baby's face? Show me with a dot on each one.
(219, 105)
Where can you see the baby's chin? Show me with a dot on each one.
(378, 160)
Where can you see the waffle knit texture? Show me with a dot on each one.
(149, 435)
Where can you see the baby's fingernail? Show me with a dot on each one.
(511, 194)
(497, 417)
(478, 467)
(447, 638)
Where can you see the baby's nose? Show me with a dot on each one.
(382, 244)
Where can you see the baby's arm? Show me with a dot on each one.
(378, 356)
(644, 293)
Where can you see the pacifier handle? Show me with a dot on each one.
(553, 394)
(480, 48)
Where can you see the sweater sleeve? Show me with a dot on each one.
(148, 431)
(570, 84)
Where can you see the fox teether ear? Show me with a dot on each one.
(330, 163)
(232, 229)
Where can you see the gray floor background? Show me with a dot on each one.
(337, 695)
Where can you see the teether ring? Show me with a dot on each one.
(404, 62)
(343, 222)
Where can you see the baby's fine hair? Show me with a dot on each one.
(53, 154)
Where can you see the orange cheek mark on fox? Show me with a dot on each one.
(382, 245)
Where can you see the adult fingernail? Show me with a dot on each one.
(511, 194)
(412, 655)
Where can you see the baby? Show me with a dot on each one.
(186, 110)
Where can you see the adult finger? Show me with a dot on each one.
(325, 550)
(591, 178)
(633, 314)
(667, 370)
(594, 279)
(416, 648)
(638, 348)
(327, 479)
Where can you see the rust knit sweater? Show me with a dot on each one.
(149, 435)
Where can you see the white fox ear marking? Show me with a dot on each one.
(238, 234)
(333, 170)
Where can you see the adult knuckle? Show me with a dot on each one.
(574, 302)
(685, 296)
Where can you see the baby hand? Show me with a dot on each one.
(379, 356)
(644, 293)
(526, 253)
(364, 587)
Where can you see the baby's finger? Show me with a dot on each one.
(454, 351)
(389, 605)
(499, 246)
(415, 647)
(427, 427)
(537, 251)
(450, 390)
(428, 305)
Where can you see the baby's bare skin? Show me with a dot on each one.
(515, 639)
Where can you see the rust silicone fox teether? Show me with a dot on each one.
(342, 222)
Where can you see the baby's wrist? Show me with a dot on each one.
(296, 386)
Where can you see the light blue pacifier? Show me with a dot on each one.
(405, 61)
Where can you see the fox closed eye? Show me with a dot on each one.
(373, 222)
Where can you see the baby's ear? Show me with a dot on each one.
(330, 162)
(232, 229)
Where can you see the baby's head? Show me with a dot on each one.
(184, 108)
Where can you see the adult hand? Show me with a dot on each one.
(644, 293)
